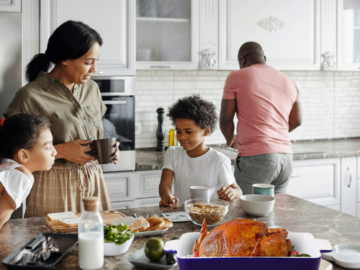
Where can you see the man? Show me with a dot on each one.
(267, 106)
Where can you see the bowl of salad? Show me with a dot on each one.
(118, 239)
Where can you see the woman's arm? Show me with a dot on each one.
(7, 207)
(74, 151)
(167, 199)
(230, 192)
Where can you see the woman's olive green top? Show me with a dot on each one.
(73, 116)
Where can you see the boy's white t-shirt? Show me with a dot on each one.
(15, 182)
(212, 169)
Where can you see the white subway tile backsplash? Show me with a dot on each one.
(329, 100)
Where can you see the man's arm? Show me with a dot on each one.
(227, 112)
(295, 116)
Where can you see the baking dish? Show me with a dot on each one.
(303, 243)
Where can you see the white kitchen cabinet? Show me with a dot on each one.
(289, 32)
(358, 210)
(10, 5)
(316, 180)
(114, 20)
(348, 35)
(167, 34)
(147, 202)
(348, 185)
(148, 184)
(123, 205)
(120, 186)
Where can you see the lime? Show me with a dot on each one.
(154, 249)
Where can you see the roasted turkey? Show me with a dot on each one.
(242, 238)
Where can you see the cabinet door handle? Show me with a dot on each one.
(295, 176)
(162, 66)
(350, 177)
(99, 72)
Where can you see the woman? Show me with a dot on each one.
(72, 103)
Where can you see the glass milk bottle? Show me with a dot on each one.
(91, 235)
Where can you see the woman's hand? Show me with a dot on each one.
(74, 151)
(226, 193)
(168, 200)
(117, 154)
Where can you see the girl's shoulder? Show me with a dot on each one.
(25, 171)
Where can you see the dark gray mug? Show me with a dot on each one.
(104, 150)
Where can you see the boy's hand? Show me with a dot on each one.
(226, 193)
(168, 200)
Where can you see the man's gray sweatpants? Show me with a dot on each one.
(273, 168)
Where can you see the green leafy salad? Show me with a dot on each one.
(117, 234)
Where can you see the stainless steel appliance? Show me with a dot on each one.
(118, 94)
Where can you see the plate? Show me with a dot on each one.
(150, 233)
(345, 255)
(66, 243)
(139, 259)
(176, 216)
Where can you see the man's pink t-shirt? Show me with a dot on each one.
(264, 97)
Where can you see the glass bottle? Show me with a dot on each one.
(172, 138)
(91, 235)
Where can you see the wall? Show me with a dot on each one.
(10, 55)
(329, 99)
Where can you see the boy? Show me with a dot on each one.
(194, 163)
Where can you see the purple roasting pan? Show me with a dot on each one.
(303, 243)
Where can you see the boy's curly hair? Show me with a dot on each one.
(202, 112)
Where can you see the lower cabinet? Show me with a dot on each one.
(329, 182)
(133, 189)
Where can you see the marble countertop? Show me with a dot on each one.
(292, 213)
(149, 159)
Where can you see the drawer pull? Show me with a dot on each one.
(350, 177)
(295, 176)
(161, 66)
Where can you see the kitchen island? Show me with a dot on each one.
(292, 213)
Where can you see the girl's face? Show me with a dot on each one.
(189, 134)
(42, 156)
(79, 70)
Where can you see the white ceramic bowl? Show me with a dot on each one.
(111, 249)
(256, 204)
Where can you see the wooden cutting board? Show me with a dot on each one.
(108, 217)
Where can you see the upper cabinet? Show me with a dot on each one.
(348, 34)
(114, 20)
(10, 5)
(167, 34)
(287, 30)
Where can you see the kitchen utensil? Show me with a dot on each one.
(111, 249)
(134, 215)
(303, 242)
(199, 192)
(108, 217)
(139, 259)
(213, 218)
(345, 255)
(256, 204)
(66, 242)
(150, 233)
(104, 150)
(264, 189)
(176, 216)
(31, 246)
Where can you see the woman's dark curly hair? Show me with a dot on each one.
(20, 131)
(202, 112)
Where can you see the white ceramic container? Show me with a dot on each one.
(256, 204)
(111, 249)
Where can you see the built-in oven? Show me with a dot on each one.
(118, 94)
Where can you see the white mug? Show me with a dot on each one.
(264, 189)
(199, 192)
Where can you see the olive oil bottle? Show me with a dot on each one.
(172, 138)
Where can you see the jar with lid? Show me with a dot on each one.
(91, 235)
(172, 138)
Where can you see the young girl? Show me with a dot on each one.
(26, 146)
(194, 163)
